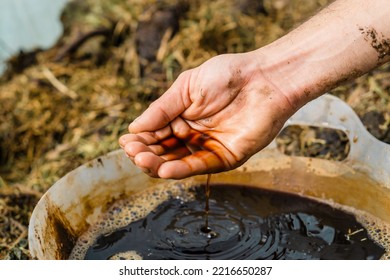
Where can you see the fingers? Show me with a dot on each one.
(150, 158)
(145, 157)
(176, 166)
(144, 142)
(165, 109)
(148, 150)
(147, 138)
(149, 163)
(127, 138)
(134, 144)
(172, 158)
(200, 162)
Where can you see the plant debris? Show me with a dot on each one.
(66, 105)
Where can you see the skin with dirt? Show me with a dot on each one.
(378, 42)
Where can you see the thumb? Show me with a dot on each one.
(166, 108)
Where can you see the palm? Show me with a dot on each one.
(214, 122)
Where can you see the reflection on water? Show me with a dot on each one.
(28, 24)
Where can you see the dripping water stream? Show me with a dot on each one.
(206, 229)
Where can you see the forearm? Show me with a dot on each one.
(345, 40)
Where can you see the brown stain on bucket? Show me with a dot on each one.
(63, 226)
(59, 229)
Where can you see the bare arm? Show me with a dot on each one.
(343, 41)
(214, 117)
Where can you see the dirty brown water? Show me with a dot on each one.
(247, 223)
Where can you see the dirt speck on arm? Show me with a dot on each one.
(378, 42)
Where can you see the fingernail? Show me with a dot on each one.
(131, 130)
(145, 170)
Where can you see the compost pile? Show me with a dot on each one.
(61, 107)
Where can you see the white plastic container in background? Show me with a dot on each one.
(27, 25)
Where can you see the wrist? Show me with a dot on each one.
(293, 70)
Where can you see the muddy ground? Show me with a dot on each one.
(61, 107)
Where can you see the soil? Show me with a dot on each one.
(66, 105)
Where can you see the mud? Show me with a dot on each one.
(378, 42)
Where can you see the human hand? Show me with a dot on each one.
(212, 119)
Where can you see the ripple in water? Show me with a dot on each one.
(245, 223)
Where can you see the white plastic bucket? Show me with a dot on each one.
(361, 181)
